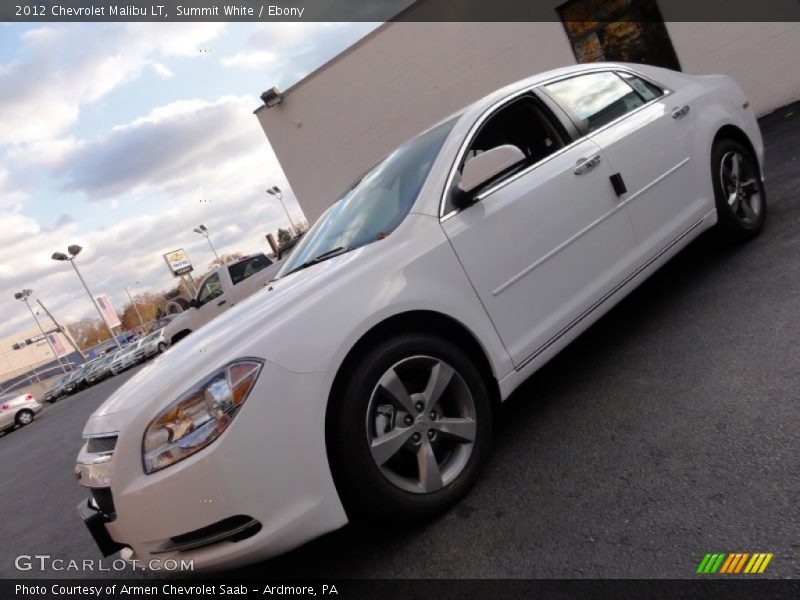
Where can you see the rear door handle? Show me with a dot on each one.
(221, 302)
(679, 112)
(584, 165)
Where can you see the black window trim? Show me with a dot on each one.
(537, 89)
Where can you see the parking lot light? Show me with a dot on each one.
(135, 308)
(24, 295)
(276, 191)
(74, 250)
(203, 230)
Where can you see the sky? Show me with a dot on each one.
(123, 137)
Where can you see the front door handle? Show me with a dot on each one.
(679, 112)
(584, 165)
(221, 302)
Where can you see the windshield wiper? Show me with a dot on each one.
(318, 259)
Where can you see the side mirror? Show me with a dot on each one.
(484, 167)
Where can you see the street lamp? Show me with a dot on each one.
(203, 230)
(74, 250)
(24, 295)
(276, 191)
(135, 308)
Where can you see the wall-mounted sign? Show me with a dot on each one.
(178, 263)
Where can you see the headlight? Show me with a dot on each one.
(199, 416)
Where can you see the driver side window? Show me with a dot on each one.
(211, 288)
(523, 123)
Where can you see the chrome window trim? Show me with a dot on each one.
(489, 111)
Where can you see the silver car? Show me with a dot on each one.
(17, 410)
(125, 358)
(56, 390)
(150, 346)
(100, 369)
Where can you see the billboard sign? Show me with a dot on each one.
(109, 314)
(57, 344)
(178, 262)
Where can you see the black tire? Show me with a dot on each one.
(24, 417)
(363, 486)
(744, 219)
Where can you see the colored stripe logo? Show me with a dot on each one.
(734, 563)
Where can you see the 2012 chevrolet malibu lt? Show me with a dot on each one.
(362, 380)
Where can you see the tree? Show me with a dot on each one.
(283, 236)
(301, 226)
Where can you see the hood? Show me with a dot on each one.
(225, 338)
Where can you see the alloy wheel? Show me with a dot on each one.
(421, 424)
(738, 178)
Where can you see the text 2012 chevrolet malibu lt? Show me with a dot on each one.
(362, 380)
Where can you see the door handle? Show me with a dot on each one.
(584, 165)
(679, 112)
(221, 302)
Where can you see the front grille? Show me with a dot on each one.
(101, 445)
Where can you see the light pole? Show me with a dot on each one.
(135, 308)
(74, 250)
(276, 191)
(203, 230)
(24, 295)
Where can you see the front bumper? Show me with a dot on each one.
(263, 488)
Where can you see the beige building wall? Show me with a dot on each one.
(762, 57)
(403, 77)
(14, 362)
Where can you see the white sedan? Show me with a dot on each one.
(17, 410)
(362, 380)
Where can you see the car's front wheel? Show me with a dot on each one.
(738, 191)
(411, 429)
(24, 417)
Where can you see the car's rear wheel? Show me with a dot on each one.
(738, 191)
(161, 347)
(411, 430)
(24, 417)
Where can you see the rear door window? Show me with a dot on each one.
(247, 267)
(596, 99)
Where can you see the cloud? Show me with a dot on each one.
(9, 194)
(163, 71)
(61, 68)
(253, 59)
(173, 148)
(292, 50)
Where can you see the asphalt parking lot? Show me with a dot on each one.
(670, 429)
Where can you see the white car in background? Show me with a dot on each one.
(125, 358)
(363, 379)
(151, 345)
(17, 410)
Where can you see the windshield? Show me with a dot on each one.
(375, 205)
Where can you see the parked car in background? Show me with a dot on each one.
(125, 358)
(75, 380)
(56, 390)
(100, 369)
(363, 380)
(222, 289)
(151, 345)
(17, 410)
